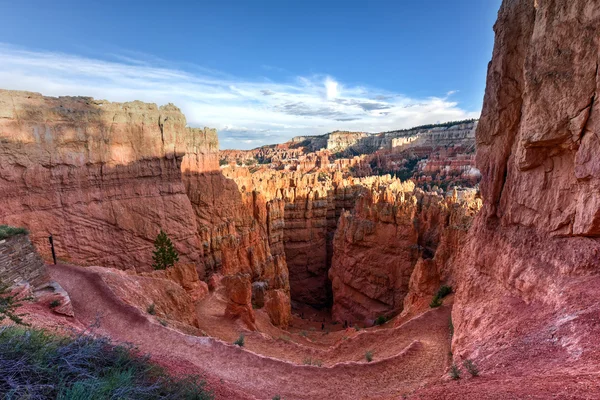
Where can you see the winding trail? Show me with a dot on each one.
(413, 354)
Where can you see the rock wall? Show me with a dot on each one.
(395, 236)
(529, 272)
(19, 262)
(313, 203)
(102, 177)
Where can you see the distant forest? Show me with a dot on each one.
(431, 126)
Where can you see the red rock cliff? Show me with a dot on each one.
(529, 274)
(394, 248)
(102, 177)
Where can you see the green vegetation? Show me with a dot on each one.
(380, 320)
(441, 293)
(240, 340)
(310, 361)
(37, 365)
(471, 368)
(55, 303)
(441, 125)
(444, 291)
(454, 372)
(435, 302)
(303, 333)
(276, 397)
(223, 161)
(164, 254)
(369, 356)
(285, 338)
(9, 305)
(151, 309)
(451, 327)
(163, 322)
(9, 231)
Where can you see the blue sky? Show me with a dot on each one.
(259, 71)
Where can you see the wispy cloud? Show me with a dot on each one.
(247, 113)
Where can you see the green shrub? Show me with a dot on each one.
(45, 366)
(380, 320)
(9, 231)
(55, 303)
(240, 341)
(435, 302)
(303, 333)
(276, 397)
(9, 305)
(471, 368)
(285, 338)
(444, 291)
(164, 254)
(441, 293)
(454, 372)
(163, 322)
(369, 356)
(450, 327)
(310, 361)
(151, 309)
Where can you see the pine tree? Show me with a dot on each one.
(164, 254)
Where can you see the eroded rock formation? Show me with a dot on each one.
(529, 272)
(104, 178)
(396, 240)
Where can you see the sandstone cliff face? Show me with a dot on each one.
(104, 178)
(396, 240)
(78, 168)
(531, 260)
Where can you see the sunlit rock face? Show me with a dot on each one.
(102, 177)
(394, 248)
(528, 273)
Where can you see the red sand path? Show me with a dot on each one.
(415, 353)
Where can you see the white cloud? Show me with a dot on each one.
(331, 88)
(247, 113)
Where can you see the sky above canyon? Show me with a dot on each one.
(259, 71)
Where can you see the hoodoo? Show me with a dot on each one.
(452, 260)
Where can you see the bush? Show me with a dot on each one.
(240, 340)
(303, 333)
(444, 291)
(9, 231)
(9, 305)
(164, 254)
(55, 303)
(435, 302)
(151, 309)
(471, 368)
(45, 366)
(454, 372)
(441, 293)
(276, 397)
(369, 356)
(380, 320)
(310, 361)
(451, 327)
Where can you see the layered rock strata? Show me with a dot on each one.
(395, 247)
(104, 178)
(529, 272)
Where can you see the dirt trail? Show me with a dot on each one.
(238, 373)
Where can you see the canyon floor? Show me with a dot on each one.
(411, 353)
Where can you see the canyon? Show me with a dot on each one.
(328, 250)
